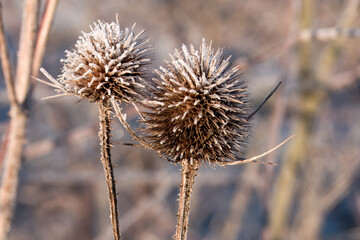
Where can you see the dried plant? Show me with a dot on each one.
(106, 65)
(199, 109)
(199, 113)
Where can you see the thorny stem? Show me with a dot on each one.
(188, 173)
(104, 134)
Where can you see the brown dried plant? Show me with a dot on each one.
(106, 66)
(197, 108)
(199, 113)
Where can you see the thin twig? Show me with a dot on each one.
(328, 34)
(138, 111)
(26, 50)
(255, 159)
(188, 173)
(122, 120)
(104, 134)
(4, 144)
(6, 63)
(263, 102)
(43, 34)
(128, 144)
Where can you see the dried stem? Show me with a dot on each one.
(122, 120)
(255, 159)
(6, 64)
(26, 49)
(188, 173)
(43, 34)
(104, 134)
(18, 114)
(263, 102)
(12, 165)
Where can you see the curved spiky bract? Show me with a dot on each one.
(108, 62)
(199, 107)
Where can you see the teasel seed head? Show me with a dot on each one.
(198, 110)
(106, 63)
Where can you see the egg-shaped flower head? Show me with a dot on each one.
(198, 111)
(107, 62)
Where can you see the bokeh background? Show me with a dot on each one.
(314, 193)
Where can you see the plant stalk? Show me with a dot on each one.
(104, 134)
(188, 173)
(18, 111)
(11, 170)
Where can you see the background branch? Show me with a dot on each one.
(19, 108)
(43, 34)
(6, 64)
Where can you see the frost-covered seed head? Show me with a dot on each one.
(198, 109)
(106, 63)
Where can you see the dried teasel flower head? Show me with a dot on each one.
(198, 111)
(107, 62)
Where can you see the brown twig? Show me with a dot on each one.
(43, 34)
(263, 102)
(6, 64)
(122, 120)
(26, 49)
(3, 145)
(188, 173)
(104, 134)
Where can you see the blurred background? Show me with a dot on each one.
(314, 193)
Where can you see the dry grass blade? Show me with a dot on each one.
(255, 159)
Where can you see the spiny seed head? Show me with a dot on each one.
(106, 63)
(198, 109)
